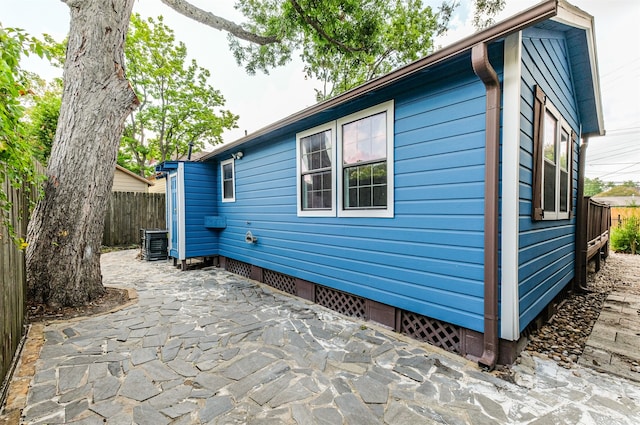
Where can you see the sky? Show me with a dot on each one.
(262, 99)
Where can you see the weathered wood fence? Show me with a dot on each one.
(592, 239)
(128, 212)
(13, 281)
(598, 229)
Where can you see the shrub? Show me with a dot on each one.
(626, 238)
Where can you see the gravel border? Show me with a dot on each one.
(564, 336)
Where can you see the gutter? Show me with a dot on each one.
(527, 18)
(486, 73)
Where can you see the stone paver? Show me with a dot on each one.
(207, 346)
(614, 343)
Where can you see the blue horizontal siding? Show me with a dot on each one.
(546, 248)
(201, 200)
(428, 258)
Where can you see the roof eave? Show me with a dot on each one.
(573, 16)
(134, 175)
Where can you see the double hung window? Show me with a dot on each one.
(553, 141)
(345, 167)
(316, 171)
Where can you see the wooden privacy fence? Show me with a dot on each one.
(13, 280)
(128, 212)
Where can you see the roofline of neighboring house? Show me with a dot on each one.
(564, 12)
(132, 174)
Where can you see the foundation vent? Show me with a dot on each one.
(435, 332)
(238, 267)
(347, 304)
(282, 282)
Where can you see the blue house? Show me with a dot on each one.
(438, 200)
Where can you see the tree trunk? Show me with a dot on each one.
(65, 232)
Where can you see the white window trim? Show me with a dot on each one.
(233, 179)
(562, 124)
(387, 212)
(316, 212)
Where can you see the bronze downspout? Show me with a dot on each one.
(580, 279)
(483, 69)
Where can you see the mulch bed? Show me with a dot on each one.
(113, 297)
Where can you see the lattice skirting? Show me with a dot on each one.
(440, 334)
(450, 337)
(347, 304)
(280, 281)
(238, 267)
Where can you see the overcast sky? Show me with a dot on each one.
(263, 99)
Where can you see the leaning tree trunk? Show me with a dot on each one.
(65, 232)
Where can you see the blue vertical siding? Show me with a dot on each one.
(428, 258)
(200, 183)
(546, 248)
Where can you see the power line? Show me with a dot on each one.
(618, 68)
(613, 153)
(610, 163)
(619, 171)
(616, 130)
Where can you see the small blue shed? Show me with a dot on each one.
(191, 205)
(438, 200)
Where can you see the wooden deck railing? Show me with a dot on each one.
(598, 229)
(593, 224)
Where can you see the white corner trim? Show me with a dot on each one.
(181, 213)
(167, 207)
(510, 314)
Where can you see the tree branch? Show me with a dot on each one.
(187, 9)
(316, 25)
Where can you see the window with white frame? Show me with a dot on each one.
(227, 177)
(553, 162)
(346, 166)
(316, 171)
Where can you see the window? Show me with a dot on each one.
(553, 141)
(364, 162)
(227, 177)
(347, 166)
(316, 171)
(365, 141)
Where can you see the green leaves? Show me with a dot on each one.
(42, 120)
(16, 154)
(177, 105)
(343, 43)
(626, 238)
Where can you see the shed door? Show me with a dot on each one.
(173, 230)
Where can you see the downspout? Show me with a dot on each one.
(486, 73)
(580, 280)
